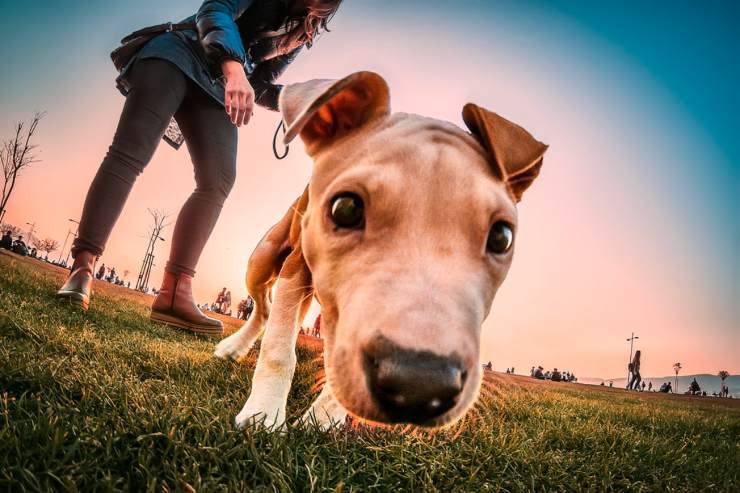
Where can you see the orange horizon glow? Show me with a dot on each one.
(611, 240)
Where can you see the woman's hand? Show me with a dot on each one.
(239, 95)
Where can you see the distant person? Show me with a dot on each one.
(7, 241)
(611, 383)
(556, 376)
(488, 366)
(227, 302)
(650, 386)
(694, 388)
(512, 370)
(317, 327)
(635, 370)
(19, 246)
(531, 372)
(643, 386)
(602, 383)
(101, 272)
(538, 373)
(507, 371)
(249, 307)
(220, 297)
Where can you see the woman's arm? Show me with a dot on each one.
(238, 93)
(219, 34)
(264, 76)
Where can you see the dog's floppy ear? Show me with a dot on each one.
(515, 154)
(321, 110)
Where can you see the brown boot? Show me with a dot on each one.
(174, 306)
(78, 287)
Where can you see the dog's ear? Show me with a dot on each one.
(516, 156)
(322, 110)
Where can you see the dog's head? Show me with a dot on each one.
(409, 232)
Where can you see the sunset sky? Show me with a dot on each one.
(633, 225)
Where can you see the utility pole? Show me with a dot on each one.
(64, 245)
(632, 340)
(31, 230)
(77, 230)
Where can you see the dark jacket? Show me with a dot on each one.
(226, 29)
(230, 29)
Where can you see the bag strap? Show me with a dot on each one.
(160, 28)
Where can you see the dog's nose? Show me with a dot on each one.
(413, 386)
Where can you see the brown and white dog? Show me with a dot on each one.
(404, 234)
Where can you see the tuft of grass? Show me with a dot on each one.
(106, 400)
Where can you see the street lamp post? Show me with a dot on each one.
(632, 341)
(64, 245)
(31, 230)
(77, 230)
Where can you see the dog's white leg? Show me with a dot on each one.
(277, 358)
(240, 342)
(325, 411)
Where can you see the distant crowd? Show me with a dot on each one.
(110, 275)
(16, 246)
(555, 375)
(314, 331)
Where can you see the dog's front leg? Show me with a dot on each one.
(277, 358)
(325, 411)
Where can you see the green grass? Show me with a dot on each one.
(109, 401)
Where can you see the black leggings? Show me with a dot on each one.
(160, 91)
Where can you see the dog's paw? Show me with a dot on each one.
(324, 415)
(323, 419)
(269, 417)
(233, 347)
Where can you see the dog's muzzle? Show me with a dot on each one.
(412, 386)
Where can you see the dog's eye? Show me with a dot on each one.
(348, 211)
(500, 238)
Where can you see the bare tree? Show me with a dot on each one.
(676, 368)
(159, 218)
(14, 230)
(16, 154)
(37, 243)
(49, 245)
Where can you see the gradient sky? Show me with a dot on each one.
(634, 223)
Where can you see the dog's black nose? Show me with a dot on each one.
(413, 386)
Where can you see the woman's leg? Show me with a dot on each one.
(158, 89)
(212, 141)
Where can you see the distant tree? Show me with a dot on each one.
(37, 243)
(14, 230)
(49, 245)
(17, 154)
(723, 374)
(676, 369)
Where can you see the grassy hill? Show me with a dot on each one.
(107, 400)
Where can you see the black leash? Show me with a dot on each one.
(274, 142)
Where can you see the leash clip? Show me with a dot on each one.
(274, 142)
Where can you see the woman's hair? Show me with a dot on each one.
(636, 359)
(307, 19)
